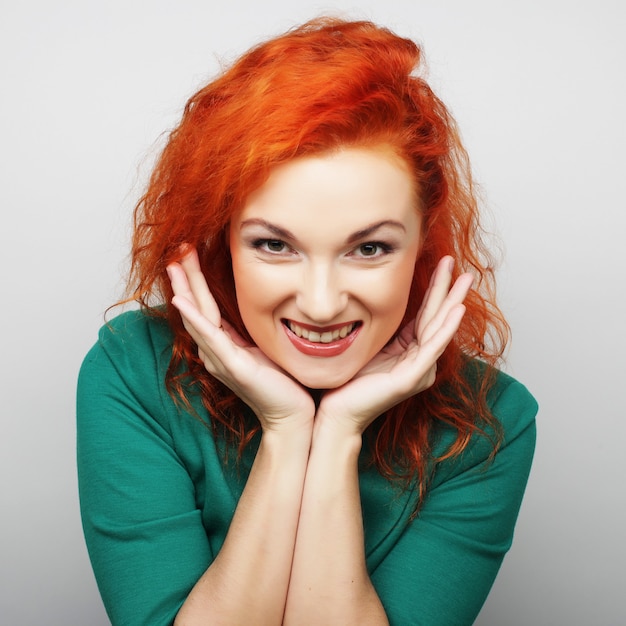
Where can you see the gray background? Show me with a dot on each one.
(538, 89)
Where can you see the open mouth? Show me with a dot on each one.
(328, 341)
(326, 336)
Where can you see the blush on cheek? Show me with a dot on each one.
(395, 296)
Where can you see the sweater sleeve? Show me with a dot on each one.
(443, 564)
(147, 497)
(141, 522)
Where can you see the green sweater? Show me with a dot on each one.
(157, 498)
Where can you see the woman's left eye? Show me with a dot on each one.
(273, 246)
(373, 249)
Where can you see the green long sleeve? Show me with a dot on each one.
(157, 497)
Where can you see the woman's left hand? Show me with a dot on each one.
(408, 364)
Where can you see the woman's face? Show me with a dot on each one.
(323, 257)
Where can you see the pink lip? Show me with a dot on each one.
(334, 348)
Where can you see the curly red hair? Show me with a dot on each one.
(326, 84)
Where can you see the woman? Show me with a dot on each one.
(303, 423)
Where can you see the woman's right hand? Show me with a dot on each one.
(278, 401)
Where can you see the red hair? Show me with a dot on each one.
(327, 84)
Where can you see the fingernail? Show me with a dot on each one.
(451, 265)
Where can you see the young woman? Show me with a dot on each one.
(303, 423)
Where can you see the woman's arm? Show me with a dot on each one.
(248, 580)
(438, 569)
(144, 470)
(247, 583)
(329, 580)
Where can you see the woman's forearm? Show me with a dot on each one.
(329, 581)
(247, 583)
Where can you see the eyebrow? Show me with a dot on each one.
(356, 236)
(277, 230)
(370, 230)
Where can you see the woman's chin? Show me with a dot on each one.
(323, 380)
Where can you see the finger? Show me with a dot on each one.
(181, 288)
(220, 356)
(435, 294)
(198, 286)
(455, 296)
(418, 370)
(407, 335)
(429, 352)
(234, 335)
(179, 282)
(211, 339)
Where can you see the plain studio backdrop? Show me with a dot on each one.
(538, 88)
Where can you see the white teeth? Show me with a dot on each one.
(315, 337)
(326, 337)
(312, 336)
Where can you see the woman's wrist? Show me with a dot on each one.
(286, 440)
(296, 423)
(343, 436)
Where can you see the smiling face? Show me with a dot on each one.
(323, 256)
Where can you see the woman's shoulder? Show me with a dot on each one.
(512, 431)
(140, 326)
(133, 351)
(510, 402)
(134, 339)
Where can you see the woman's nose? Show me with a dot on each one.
(320, 296)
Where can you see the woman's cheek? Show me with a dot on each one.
(388, 291)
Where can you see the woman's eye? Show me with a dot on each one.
(368, 249)
(373, 249)
(274, 246)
